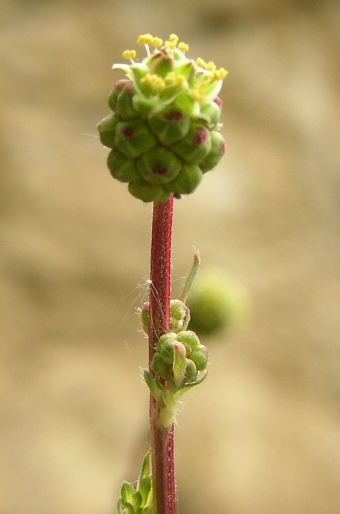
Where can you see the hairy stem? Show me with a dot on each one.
(162, 439)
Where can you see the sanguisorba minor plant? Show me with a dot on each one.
(164, 135)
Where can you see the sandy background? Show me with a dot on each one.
(262, 435)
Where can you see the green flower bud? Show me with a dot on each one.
(211, 113)
(186, 181)
(200, 357)
(161, 369)
(195, 146)
(190, 340)
(116, 89)
(124, 105)
(164, 338)
(159, 166)
(133, 138)
(179, 316)
(148, 192)
(190, 371)
(170, 125)
(144, 316)
(106, 129)
(122, 168)
(217, 150)
(167, 350)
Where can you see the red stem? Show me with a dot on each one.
(162, 439)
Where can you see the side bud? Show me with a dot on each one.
(179, 316)
(190, 340)
(217, 150)
(195, 146)
(106, 129)
(200, 357)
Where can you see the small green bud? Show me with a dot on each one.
(170, 126)
(218, 147)
(190, 371)
(186, 181)
(124, 104)
(144, 316)
(190, 340)
(200, 357)
(161, 369)
(167, 350)
(211, 113)
(148, 192)
(133, 138)
(159, 166)
(116, 89)
(164, 338)
(106, 129)
(179, 316)
(122, 168)
(195, 146)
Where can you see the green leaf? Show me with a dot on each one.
(146, 468)
(120, 508)
(126, 492)
(137, 499)
(186, 388)
(144, 487)
(154, 385)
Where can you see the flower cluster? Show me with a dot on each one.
(179, 358)
(180, 362)
(164, 129)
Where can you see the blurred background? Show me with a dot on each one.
(262, 435)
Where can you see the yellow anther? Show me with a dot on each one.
(154, 81)
(129, 54)
(210, 66)
(171, 45)
(176, 80)
(156, 41)
(196, 94)
(200, 62)
(145, 39)
(173, 37)
(219, 74)
(183, 46)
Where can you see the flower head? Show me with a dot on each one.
(176, 99)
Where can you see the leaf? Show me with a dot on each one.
(186, 388)
(144, 487)
(145, 469)
(137, 500)
(126, 492)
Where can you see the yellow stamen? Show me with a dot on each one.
(156, 41)
(171, 45)
(200, 62)
(129, 54)
(183, 46)
(211, 66)
(196, 94)
(173, 37)
(145, 39)
(154, 81)
(176, 80)
(219, 74)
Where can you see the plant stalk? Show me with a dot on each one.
(162, 439)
